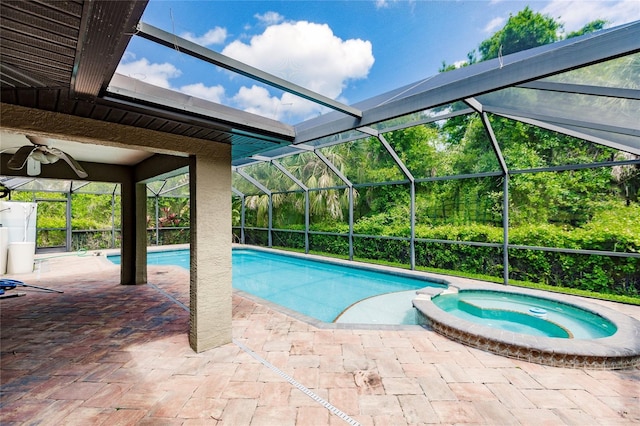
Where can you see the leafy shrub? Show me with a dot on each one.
(608, 230)
(334, 244)
(397, 251)
(93, 240)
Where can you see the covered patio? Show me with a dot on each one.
(61, 86)
(184, 348)
(101, 353)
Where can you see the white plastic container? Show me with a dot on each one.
(4, 246)
(20, 258)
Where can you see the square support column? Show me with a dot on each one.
(133, 247)
(211, 288)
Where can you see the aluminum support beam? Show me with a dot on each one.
(69, 233)
(412, 183)
(288, 174)
(242, 218)
(157, 219)
(412, 213)
(633, 129)
(568, 167)
(582, 89)
(347, 182)
(127, 92)
(505, 197)
(351, 222)
(241, 195)
(192, 49)
(113, 218)
(333, 168)
(494, 142)
(557, 126)
(505, 228)
(306, 221)
(457, 177)
(266, 190)
(390, 150)
(162, 191)
(473, 103)
(254, 182)
(306, 200)
(156, 194)
(270, 218)
(412, 202)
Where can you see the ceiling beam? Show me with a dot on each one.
(583, 89)
(172, 41)
(128, 91)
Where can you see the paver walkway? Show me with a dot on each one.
(102, 353)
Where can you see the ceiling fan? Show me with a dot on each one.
(41, 153)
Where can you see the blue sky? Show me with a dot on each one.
(347, 50)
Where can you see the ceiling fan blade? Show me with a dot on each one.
(71, 162)
(36, 140)
(19, 159)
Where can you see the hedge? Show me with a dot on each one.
(602, 274)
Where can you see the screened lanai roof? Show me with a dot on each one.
(175, 186)
(586, 87)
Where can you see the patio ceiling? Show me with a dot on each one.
(62, 57)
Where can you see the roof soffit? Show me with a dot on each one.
(105, 31)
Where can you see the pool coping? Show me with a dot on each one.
(618, 351)
(423, 276)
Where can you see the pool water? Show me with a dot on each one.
(316, 289)
(525, 314)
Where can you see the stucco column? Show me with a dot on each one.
(133, 247)
(211, 290)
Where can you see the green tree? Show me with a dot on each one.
(523, 31)
(591, 27)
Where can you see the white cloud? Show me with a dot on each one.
(269, 18)
(216, 35)
(304, 53)
(142, 69)
(160, 74)
(257, 100)
(576, 13)
(383, 4)
(494, 25)
(199, 90)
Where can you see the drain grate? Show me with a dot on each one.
(168, 296)
(326, 404)
(298, 385)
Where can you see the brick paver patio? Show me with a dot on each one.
(102, 353)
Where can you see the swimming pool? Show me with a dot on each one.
(321, 290)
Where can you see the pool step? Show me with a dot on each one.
(430, 292)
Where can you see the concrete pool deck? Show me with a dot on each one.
(102, 353)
